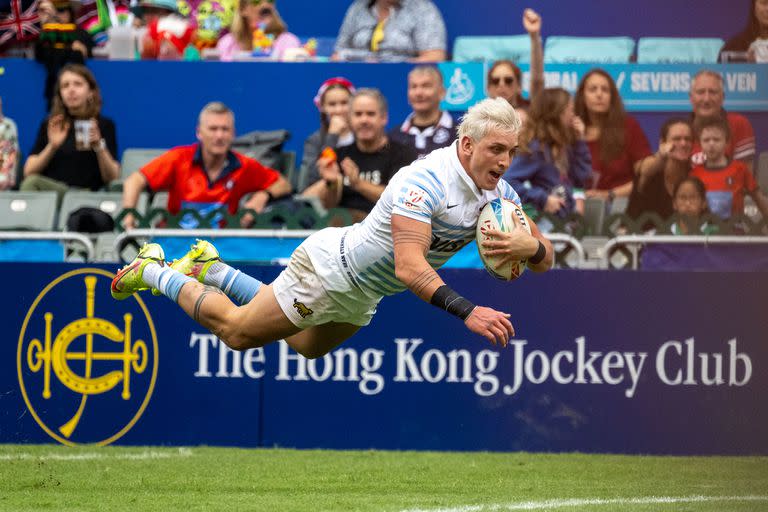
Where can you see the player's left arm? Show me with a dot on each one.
(412, 239)
(517, 245)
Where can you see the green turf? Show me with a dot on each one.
(31, 478)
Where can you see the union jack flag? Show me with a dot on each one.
(18, 20)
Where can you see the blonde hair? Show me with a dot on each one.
(486, 115)
(242, 32)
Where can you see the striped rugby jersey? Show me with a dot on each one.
(435, 189)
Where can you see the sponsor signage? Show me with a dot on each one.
(626, 362)
(643, 87)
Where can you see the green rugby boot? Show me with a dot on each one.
(196, 262)
(128, 279)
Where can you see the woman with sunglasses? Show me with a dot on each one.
(253, 16)
(505, 80)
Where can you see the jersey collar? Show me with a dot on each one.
(233, 164)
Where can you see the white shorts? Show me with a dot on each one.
(314, 290)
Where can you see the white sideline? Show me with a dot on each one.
(562, 503)
(145, 455)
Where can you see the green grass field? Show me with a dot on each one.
(90, 478)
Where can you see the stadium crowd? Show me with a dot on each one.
(574, 150)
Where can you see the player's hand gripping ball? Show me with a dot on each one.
(505, 216)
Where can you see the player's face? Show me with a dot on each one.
(707, 96)
(681, 137)
(367, 120)
(424, 92)
(503, 84)
(215, 133)
(688, 202)
(490, 157)
(75, 90)
(336, 102)
(597, 94)
(713, 143)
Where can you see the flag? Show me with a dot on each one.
(18, 20)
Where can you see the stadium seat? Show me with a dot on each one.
(27, 211)
(603, 50)
(762, 171)
(663, 50)
(108, 202)
(287, 167)
(491, 48)
(133, 160)
(594, 215)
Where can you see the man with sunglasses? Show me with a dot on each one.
(427, 128)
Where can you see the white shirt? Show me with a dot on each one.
(435, 190)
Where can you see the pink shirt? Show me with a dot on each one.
(228, 47)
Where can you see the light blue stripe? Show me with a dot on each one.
(436, 180)
(398, 207)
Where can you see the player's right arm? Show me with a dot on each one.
(411, 239)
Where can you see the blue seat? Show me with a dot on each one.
(697, 50)
(604, 50)
(491, 48)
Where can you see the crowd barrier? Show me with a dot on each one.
(620, 362)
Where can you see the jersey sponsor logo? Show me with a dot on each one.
(413, 201)
(86, 377)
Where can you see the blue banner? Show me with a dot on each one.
(625, 362)
(643, 87)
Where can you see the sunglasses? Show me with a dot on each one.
(508, 80)
(257, 2)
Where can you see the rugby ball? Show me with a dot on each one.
(505, 216)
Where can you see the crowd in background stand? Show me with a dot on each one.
(571, 149)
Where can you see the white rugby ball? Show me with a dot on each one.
(505, 216)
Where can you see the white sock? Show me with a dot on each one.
(151, 274)
(216, 274)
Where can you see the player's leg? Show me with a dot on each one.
(203, 263)
(318, 340)
(255, 324)
(258, 323)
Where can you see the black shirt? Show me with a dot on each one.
(76, 168)
(377, 167)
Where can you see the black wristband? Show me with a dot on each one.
(539, 256)
(269, 195)
(452, 302)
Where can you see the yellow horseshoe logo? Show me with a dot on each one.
(55, 354)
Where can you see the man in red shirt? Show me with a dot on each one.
(707, 96)
(207, 176)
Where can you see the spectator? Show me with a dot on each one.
(392, 30)
(707, 97)
(554, 162)
(505, 80)
(9, 151)
(168, 34)
(726, 180)
(76, 146)
(332, 100)
(357, 176)
(208, 175)
(426, 128)
(690, 205)
(61, 42)
(658, 175)
(616, 141)
(257, 28)
(753, 40)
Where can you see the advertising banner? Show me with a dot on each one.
(621, 362)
